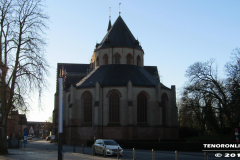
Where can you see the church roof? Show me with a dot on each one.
(119, 36)
(72, 67)
(154, 71)
(109, 25)
(118, 75)
(75, 72)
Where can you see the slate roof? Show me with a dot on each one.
(119, 36)
(109, 25)
(72, 67)
(153, 71)
(72, 80)
(118, 75)
(75, 72)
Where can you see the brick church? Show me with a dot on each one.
(116, 96)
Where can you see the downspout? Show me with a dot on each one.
(112, 55)
(122, 55)
(102, 112)
(133, 56)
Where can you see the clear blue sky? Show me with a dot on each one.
(174, 34)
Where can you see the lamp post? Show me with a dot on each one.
(60, 113)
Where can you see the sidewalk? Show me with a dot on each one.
(34, 154)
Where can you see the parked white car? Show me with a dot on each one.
(111, 147)
(29, 137)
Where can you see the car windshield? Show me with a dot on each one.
(110, 143)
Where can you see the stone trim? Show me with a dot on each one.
(144, 92)
(164, 97)
(85, 93)
(118, 47)
(165, 89)
(115, 54)
(130, 55)
(114, 90)
(105, 55)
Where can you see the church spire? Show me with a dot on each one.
(109, 24)
(119, 9)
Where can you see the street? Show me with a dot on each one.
(39, 149)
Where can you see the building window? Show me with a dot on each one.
(114, 103)
(87, 106)
(105, 59)
(142, 108)
(138, 60)
(97, 61)
(69, 96)
(129, 59)
(164, 99)
(117, 58)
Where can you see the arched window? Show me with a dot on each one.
(138, 61)
(117, 58)
(105, 59)
(129, 59)
(87, 106)
(114, 109)
(97, 61)
(142, 108)
(164, 98)
(69, 96)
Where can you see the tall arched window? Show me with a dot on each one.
(142, 108)
(114, 107)
(97, 61)
(138, 61)
(117, 58)
(87, 106)
(105, 59)
(164, 99)
(69, 96)
(129, 59)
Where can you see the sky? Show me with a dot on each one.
(174, 34)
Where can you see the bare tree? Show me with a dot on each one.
(203, 78)
(197, 111)
(22, 61)
(233, 84)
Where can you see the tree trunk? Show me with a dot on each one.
(3, 136)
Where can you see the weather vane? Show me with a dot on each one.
(119, 9)
(109, 12)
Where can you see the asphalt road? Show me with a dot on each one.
(41, 145)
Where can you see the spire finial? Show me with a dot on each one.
(119, 9)
(109, 24)
(109, 13)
